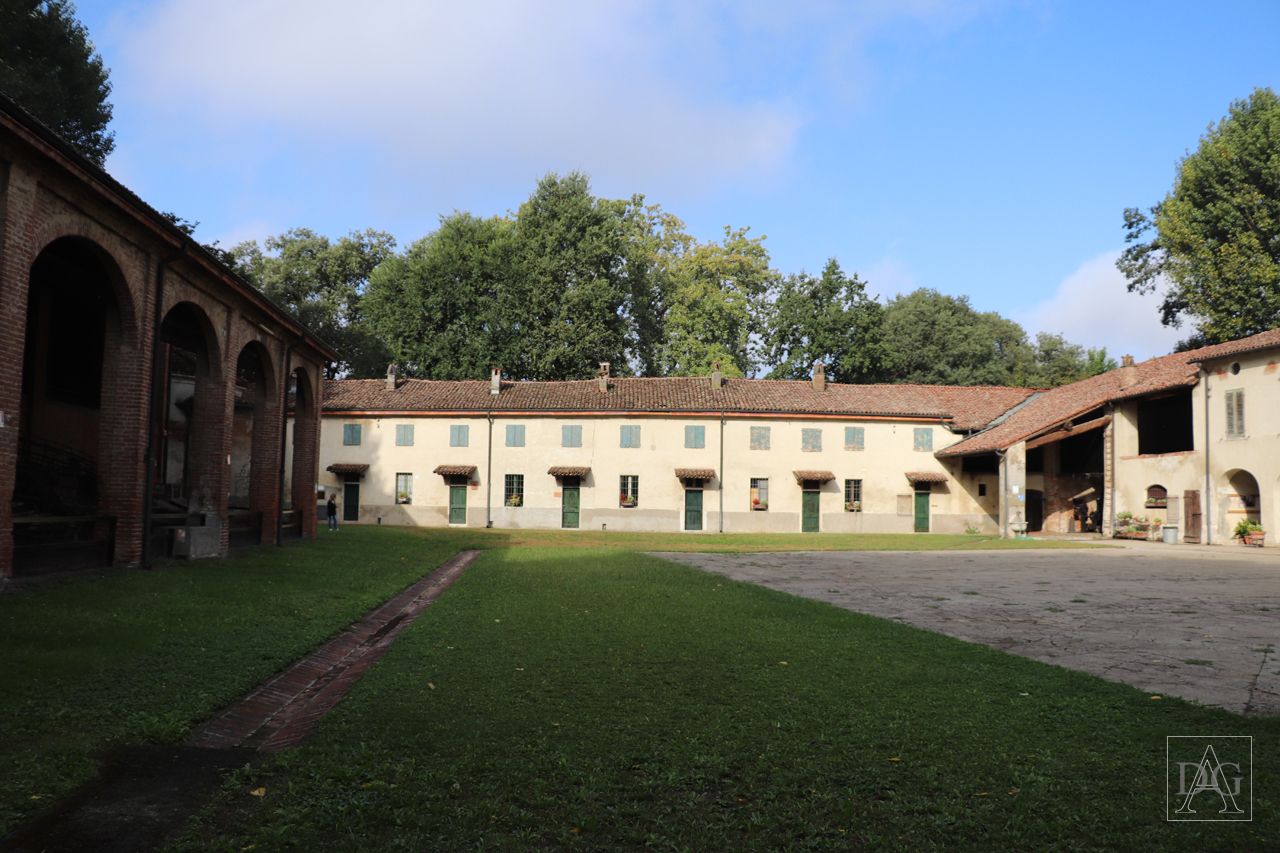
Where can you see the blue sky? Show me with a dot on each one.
(977, 148)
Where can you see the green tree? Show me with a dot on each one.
(715, 297)
(1055, 361)
(1215, 244)
(935, 339)
(449, 307)
(48, 65)
(828, 319)
(321, 284)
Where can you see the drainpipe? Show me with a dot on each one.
(722, 471)
(287, 364)
(1208, 496)
(1115, 416)
(488, 479)
(1004, 493)
(153, 425)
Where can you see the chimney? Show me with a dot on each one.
(1128, 372)
(604, 377)
(495, 381)
(717, 378)
(391, 377)
(819, 377)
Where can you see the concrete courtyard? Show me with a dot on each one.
(1196, 622)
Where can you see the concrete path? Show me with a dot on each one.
(1197, 622)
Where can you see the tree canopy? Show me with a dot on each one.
(321, 283)
(49, 66)
(1215, 238)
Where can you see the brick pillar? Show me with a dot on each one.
(17, 198)
(1109, 474)
(122, 433)
(306, 447)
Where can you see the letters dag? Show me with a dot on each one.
(1208, 769)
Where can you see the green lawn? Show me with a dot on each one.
(560, 696)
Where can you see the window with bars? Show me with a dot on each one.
(350, 434)
(854, 438)
(759, 438)
(629, 490)
(1157, 497)
(404, 488)
(571, 435)
(853, 495)
(629, 435)
(515, 435)
(923, 442)
(404, 435)
(760, 493)
(459, 435)
(695, 436)
(1235, 413)
(513, 490)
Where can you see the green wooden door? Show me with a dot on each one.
(809, 512)
(922, 512)
(570, 508)
(457, 504)
(351, 502)
(693, 509)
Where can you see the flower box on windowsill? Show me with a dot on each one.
(514, 501)
(853, 506)
(760, 505)
(626, 503)
(1156, 503)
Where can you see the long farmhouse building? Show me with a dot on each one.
(1169, 438)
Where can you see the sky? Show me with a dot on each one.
(980, 148)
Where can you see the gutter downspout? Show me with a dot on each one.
(1004, 493)
(287, 360)
(1112, 491)
(488, 479)
(722, 471)
(153, 423)
(1208, 495)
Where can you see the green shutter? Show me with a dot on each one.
(351, 433)
(404, 435)
(629, 436)
(459, 434)
(515, 435)
(924, 439)
(571, 436)
(811, 440)
(854, 438)
(695, 436)
(759, 438)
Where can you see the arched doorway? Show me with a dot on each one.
(70, 411)
(1241, 501)
(253, 429)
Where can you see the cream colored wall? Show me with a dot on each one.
(1176, 472)
(882, 466)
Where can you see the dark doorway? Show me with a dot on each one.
(693, 509)
(351, 502)
(1035, 510)
(570, 503)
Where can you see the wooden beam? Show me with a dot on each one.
(1067, 432)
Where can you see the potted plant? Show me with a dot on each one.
(755, 504)
(853, 506)
(1249, 532)
(626, 500)
(514, 500)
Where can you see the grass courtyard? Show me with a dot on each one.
(571, 692)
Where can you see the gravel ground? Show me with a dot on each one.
(1197, 622)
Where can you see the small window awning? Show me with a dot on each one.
(567, 471)
(926, 477)
(696, 473)
(344, 468)
(455, 470)
(820, 476)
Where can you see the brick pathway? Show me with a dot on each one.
(282, 711)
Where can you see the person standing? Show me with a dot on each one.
(333, 512)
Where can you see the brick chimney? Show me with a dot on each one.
(1128, 372)
(819, 377)
(495, 381)
(603, 379)
(392, 370)
(717, 378)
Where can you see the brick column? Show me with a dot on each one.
(17, 199)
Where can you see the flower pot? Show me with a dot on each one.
(1255, 538)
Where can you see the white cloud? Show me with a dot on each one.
(1092, 307)
(887, 278)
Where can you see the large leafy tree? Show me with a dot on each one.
(937, 339)
(48, 65)
(321, 283)
(828, 319)
(1056, 361)
(715, 296)
(449, 307)
(1214, 241)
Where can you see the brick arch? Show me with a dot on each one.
(127, 278)
(258, 456)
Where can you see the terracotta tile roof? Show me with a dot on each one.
(926, 477)
(1066, 402)
(1253, 343)
(696, 473)
(965, 407)
(345, 468)
(567, 471)
(454, 470)
(820, 476)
